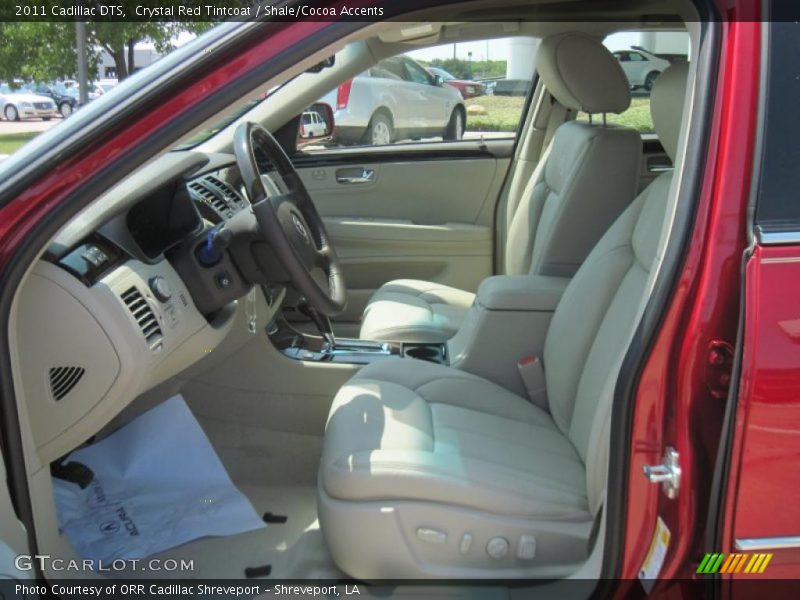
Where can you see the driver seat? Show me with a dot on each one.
(428, 471)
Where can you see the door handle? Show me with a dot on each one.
(353, 176)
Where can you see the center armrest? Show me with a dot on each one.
(521, 292)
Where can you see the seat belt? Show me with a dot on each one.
(532, 374)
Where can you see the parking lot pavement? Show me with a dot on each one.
(26, 126)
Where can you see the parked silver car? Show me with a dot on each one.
(396, 99)
(19, 104)
(642, 68)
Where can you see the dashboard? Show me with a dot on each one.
(112, 309)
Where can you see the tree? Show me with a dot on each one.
(463, 69)
(43, 51)
(120, 39)
(39, 51)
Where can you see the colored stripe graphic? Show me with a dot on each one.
(714, 562)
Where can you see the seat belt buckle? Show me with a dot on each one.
(532, 374)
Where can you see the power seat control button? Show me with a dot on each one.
(497, 547)
(432, 536)
(527, 547)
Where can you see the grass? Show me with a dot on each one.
(637, 116)
(503, 112)
(11, 142)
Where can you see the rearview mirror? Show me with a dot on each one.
(438, 80)
(315, 125)
(324, 64)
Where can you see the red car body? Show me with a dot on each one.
(681, 396)
(467, 88)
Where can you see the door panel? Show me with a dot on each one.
(763, 501)
(428, 219)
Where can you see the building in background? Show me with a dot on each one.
(144, 56)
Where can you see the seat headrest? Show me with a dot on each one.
(582, 74)
(666, 105)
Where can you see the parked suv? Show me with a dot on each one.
(396, 99)
(312, 125)
(641, 68)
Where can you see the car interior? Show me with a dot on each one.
(404, 355)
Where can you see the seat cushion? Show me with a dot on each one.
(407, 310)
(404, 429)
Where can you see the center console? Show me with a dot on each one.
(508, 322)
(328, 348)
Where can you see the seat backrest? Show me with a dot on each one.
(590, 172)
(590, 328)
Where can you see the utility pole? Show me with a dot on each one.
(80, 46)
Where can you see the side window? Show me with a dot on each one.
(480, 92)
(643, 56)
(389, 69)
(416, 73)
(777, 208)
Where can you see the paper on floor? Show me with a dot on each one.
(158, 483)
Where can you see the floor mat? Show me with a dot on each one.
(157, 484)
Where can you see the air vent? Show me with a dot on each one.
(64, 379)
(210, 197)
(230, 194)
(144, 316)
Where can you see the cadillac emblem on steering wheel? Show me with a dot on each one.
(301, 229)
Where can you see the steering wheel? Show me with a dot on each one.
(290, 222)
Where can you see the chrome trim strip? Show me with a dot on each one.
(777, 238)
(773, 543)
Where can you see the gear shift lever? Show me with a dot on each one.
(322, 322)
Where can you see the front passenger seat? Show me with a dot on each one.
(429, 471)
(589, 177)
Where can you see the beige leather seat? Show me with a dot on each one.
(430, 471)
(588, 178)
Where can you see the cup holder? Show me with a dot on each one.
(430, 352)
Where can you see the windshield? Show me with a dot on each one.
(218, 126)
(227, 120)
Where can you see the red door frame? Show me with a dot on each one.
(673, 405)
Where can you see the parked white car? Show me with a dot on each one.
(312, 125)
(396, 99)
(19, 104)
(641, 68)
